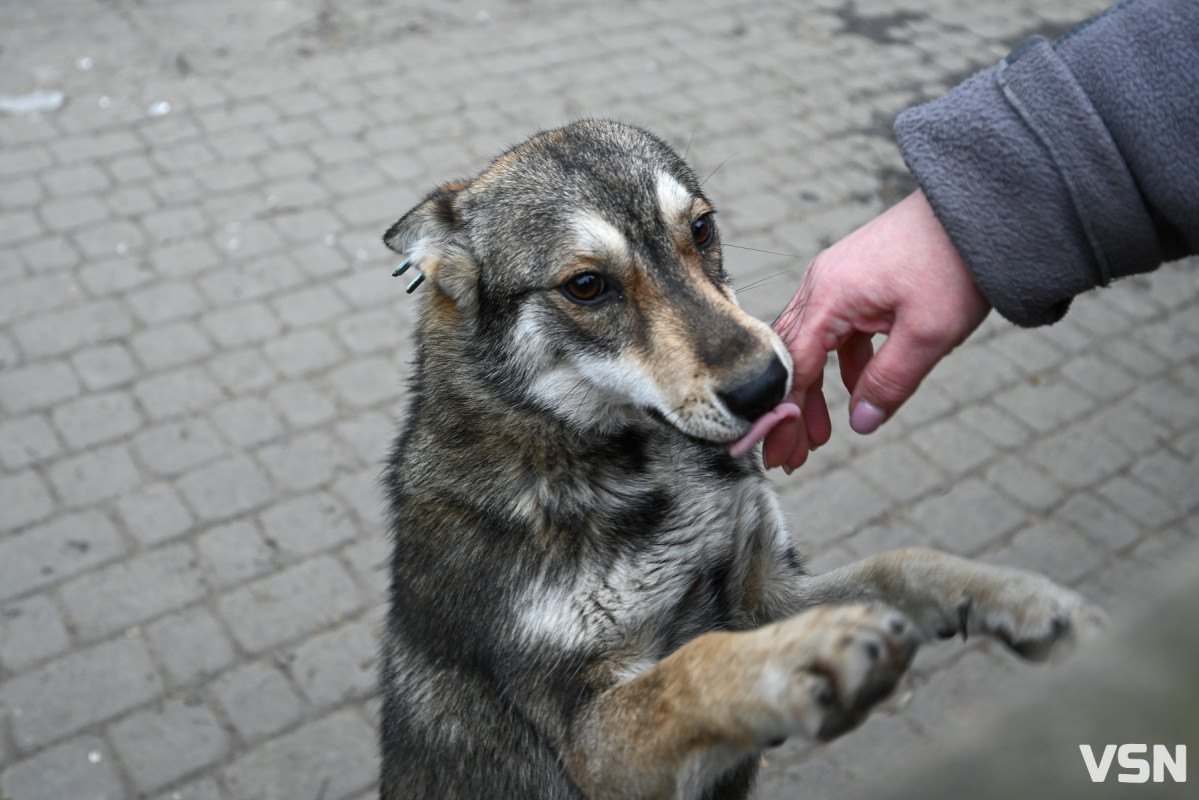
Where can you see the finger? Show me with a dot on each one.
(816, 417)
(890, 378)
(787, 439)
(810, 331)
(853, 356)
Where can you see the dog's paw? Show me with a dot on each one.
(1031, 614)
(835, 664)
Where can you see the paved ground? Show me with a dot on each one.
(201, 353)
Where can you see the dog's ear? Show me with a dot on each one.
(431, 240)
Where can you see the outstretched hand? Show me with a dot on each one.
(898, 275)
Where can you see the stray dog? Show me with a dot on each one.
(591, 597)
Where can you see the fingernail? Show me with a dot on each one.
(866, 417)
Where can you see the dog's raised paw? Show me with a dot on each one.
(1031, 614)
(843, 661)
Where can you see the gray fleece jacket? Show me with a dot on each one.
(1070, 164)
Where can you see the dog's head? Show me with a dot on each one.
(585, 265)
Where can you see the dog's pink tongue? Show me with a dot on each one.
(765, 424)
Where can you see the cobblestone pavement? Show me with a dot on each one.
(201, 353)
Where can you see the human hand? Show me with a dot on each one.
(898, 275)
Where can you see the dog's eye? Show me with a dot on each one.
(586, 289)
(703, 231)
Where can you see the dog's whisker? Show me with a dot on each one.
(758, 250)
(762, 281)
(690, 139)
(713, 172)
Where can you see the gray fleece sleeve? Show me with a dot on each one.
(1071, 164)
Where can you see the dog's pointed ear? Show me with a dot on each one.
(431, 240)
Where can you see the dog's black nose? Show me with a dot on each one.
(758, 395)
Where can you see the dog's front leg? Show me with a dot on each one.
(677, 728)
(946, 595)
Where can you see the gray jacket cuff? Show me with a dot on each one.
(1028, 184)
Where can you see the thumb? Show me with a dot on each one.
(890, 377)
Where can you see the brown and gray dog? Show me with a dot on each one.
(591, 598)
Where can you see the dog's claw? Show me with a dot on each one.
(402, 268)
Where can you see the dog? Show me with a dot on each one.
(591, 596)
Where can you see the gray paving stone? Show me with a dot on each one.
(967, 519)
(80, 769)
(295, 602)
(1169, 402)
(336, 666)
(148, 584)
(367, 382)
(245, 324)
(36, 295)
(78, 179)
(1031, 352)
(1046, 405)
(1101, 522)
(93, 476)
(365, 497)
(1054, 550)
(258, 700)
(154, 513)
(309, 524)
(333, 755)
(54, 550)
(243, 371)
(235, 552)
(173, 393)
(161, 745)
(1030, 486)
(901, 471)
(31, 630)
(187, 257)
(37, 386)
(305, 461)
(1126, 424)
(954, 447)
(130, 201)
(368, 435)
(51, 255)
(834, 506)
(176, 223)
(75, 212)
(105, 366)
(166, 301)
(23, 499)
(96, 418)
(303, 352)
(1170, 476)
(1098, 377)
(17, 227)
(995, 426)
(80, 689)
(116, 275)
(202, 789)
(171, 346)
(302, 404)
(64, 331)
(248, 421)
(226, 488)
(1134, 500)
(1078, 462)
(190, 645)
(175, 447)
